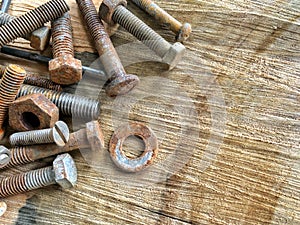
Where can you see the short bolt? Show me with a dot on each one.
(63, 172)
(9, 86)
(64, 68)
(32, 20)
(68, 104)
(119, 81)
(182, 31)
(59, 134)
(5, 156)
(114, 11)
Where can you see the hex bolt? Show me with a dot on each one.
(182, 31)
(119, 81)
(32, 20)
(114, 11)
(9, 86)
(36, 80)
(5, 156)
(64, 68)
(69, 104)
(63, 172)
(89, 138)
(59, 134)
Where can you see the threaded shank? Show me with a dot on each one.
(71, 105)
(9, 86)
(34, 80)
(32, 20)
(62, 40)
(141, 31)
(32, 137)
(19, 156)
(5, 18)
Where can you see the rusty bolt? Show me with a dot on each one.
(119, 157)
(64, 68)
(5, 156)
(3, 208)
(9, 86)
(182, 31)
(63, 172)
(114, 11)
(32, 20)
(32, 112)
(89, 138)
(120, 82)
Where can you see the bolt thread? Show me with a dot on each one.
(9, 86)
(71, 105)
(5, 18)
(43, 136)
(62, 40)
(19, 156)
(32, 20)
(141, 31)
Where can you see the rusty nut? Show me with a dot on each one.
(32, 112)
(107, 9)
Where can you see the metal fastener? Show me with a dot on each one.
(59, 134)
(64, 68)
(3, 208)
(5, 156)
(63, 172)
(68, 104)
(114, 11)
(182, 31)
(120, 82)
(9, 86)
(89, 138)
(32, 20)
(5, 5)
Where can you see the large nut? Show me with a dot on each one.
(32, 112)
(65, 171)
(107, 9)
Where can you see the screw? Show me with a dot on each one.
(112, 11)
(120, 82)
(35, 80)
(32, 20)
(64, 68)
(9, 86)
(59, 134)
(5, 156)
(63, 172)
(69, 104)
(182, 31)
(91, 137)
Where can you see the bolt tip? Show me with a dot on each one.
(122, 86)
(16, 69)
(184, 32)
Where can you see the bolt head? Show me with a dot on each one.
(61, 133)
(121, 85)
(95, 136)
(39, 39)
(65, 70)
(65, 171)
(174, 55)
(184, 32)
(107, 9)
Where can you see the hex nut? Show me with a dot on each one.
(107, 9)
(32, 112)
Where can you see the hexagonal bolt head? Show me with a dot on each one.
(174, 55)
(65, 70)
(39, 39)
(107, 9)
(32, 112)
(65, 171)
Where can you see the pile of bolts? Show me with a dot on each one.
(32, 103)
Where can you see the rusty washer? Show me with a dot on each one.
(143, 161)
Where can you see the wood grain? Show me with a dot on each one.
(228, 114)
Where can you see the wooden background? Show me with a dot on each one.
(228, 114)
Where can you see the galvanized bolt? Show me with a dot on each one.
(32, 20)
(9, 86)
(69, 104)
(59, 134)
(182, 31)
(89, 138)
(120, 82)
(64, 68)
(114, 11)
(5, 156)
(36, 80)
(63, 172)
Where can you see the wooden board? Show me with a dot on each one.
(227, 120)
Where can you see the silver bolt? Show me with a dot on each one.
(5, 156)
(59, 134)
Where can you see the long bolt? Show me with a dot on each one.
(62, 172)
(9, 86)
(59, 134)
(5, 156)
(69, 104)
(64, 68)
(120, 82)
(170, 54)
(182, 31)
(32, 20)
(35, 80)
